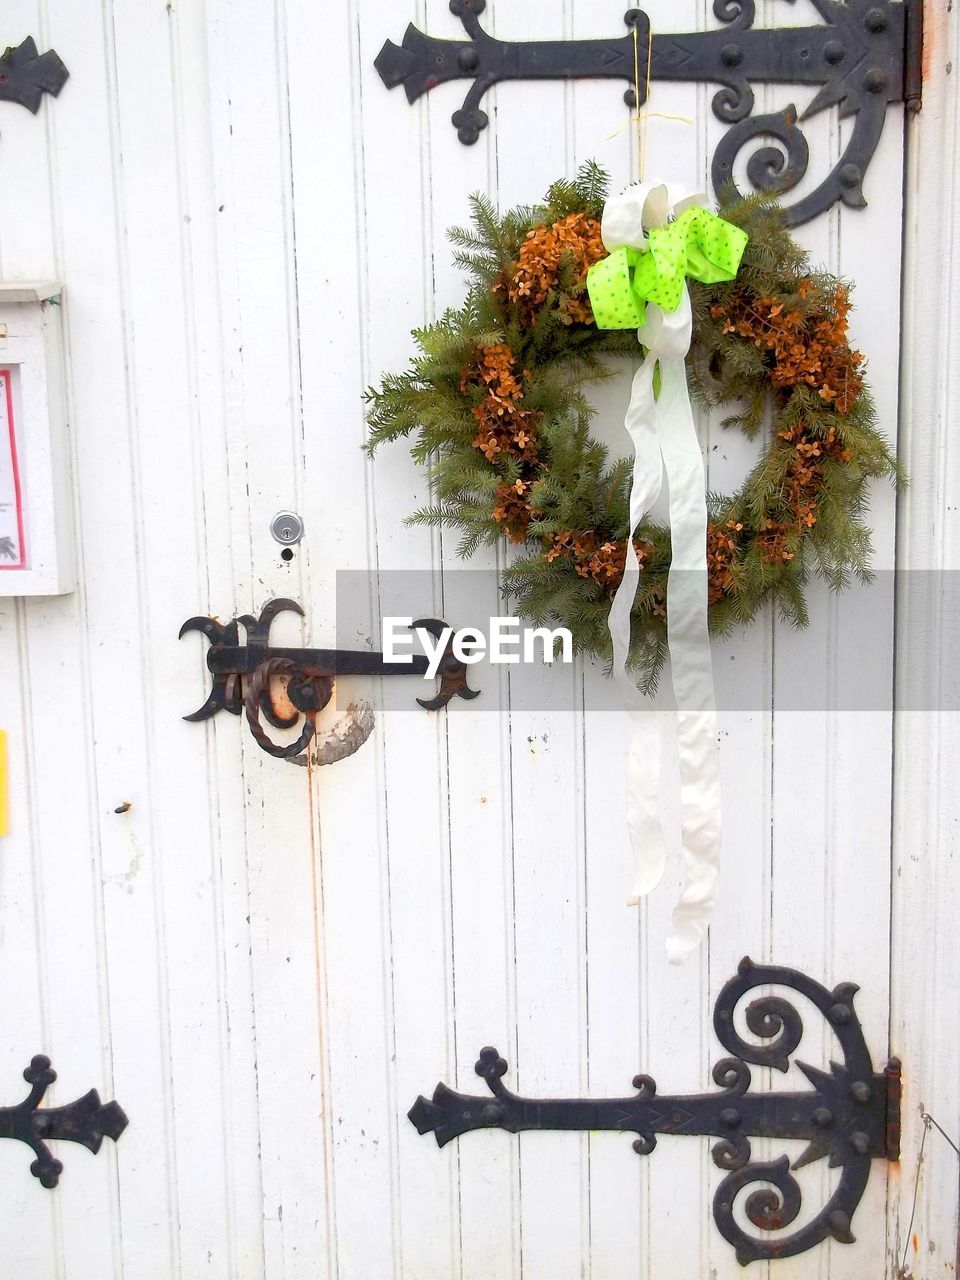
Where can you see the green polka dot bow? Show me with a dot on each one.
(698, 245)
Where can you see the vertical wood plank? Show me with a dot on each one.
(617, 1045)
(159, 216)
(546, 763)
(480, 834)
(386, 877)
(118, 711)
(831, 764)
(65, 1015)
(23, 976)
(923, 1221)
(250, 130)
(200, 190)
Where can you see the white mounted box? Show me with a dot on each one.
(36, 502)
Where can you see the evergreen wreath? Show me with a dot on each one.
(496, 400)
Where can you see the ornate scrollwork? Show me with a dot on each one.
(845, 1135)
(776, 1206)
(774, 1019)
(850, 1116)
(733, 1150)
(741, 13)
(859, 76)
(646, 1088)
(733, 1076)
(731, 1153)
(864, 56)
(733, 102)
(769, 168)
(770, 1018)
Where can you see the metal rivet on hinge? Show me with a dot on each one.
(851, 175)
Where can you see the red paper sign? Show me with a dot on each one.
(12, 549)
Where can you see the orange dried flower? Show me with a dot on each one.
(772, 542)
(813, 349)
(722, 546)
(602, 562)
(537, 270)
(804, 476)
(504, 428)
(513, 510)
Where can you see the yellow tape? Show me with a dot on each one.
(4, 826)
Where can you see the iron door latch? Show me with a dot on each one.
(242, 674)
(87, 1121)
(851, 1116)
(865, 55)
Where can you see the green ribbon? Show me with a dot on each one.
(698, 245)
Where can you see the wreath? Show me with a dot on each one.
(496, 400)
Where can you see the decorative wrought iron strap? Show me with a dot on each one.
(866, 55)
(851, 1116)
(26, 74)
(311, 673)
(87, 1121)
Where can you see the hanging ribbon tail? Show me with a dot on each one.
(643, 284)
(691, 664)
(643, 764)
(643, 806)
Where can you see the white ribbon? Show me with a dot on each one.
(665, 442)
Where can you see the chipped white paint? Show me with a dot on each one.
(248, 225)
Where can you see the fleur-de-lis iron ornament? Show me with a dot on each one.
(26, 74)
(865, 55)
(87, 1121)
(851, 1116)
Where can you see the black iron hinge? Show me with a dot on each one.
(865, 55)
(850, 1116)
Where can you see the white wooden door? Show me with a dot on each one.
(265, 969)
